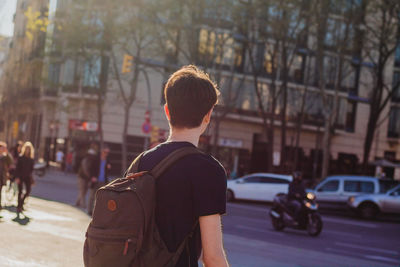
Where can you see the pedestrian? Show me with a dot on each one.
(103, 166)
(86, 172)
(69, 161)
(23, 173)
(194, 188)
(60, 158)
(6, 162)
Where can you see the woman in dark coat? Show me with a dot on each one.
(24, 172)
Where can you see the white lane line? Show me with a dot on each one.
(349, 222)
(380, 258)
(385, 251)
(257, 230)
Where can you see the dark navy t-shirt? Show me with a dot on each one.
(194, 186)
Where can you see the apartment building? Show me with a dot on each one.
(60, 109)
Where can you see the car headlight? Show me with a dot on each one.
(310, 196)
(351, 199)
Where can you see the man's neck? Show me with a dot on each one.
(185, 135)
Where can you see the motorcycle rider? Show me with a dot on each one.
(297, 193)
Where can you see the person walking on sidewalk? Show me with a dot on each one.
(194, 188)
(87, 171)
(101, 179)
(6, 162)
(23, 173)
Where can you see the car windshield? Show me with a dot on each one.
(386, 185)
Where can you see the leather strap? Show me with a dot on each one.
(168, 161)
(134, 167)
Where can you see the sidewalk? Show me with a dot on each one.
(50, 234)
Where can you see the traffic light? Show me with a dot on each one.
(127, 63)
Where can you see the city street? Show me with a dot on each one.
(249, 238)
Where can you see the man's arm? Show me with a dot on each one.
(211, 239)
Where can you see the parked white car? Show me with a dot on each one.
(258, 186)
(368, 206)
(334, 191)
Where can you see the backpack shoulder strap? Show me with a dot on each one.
(134, 167)
(172, 158)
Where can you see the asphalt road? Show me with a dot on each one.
(251, 241)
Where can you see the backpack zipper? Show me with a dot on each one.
(115, 240)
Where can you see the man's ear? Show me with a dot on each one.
(207, 117)
(166, 110)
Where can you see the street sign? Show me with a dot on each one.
(146, 127)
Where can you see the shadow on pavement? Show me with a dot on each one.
(22, 220)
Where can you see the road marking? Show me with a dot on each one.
(391, 252)
(380, 258)
(349, 222)
(257, 230)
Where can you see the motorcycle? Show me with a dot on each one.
(309, 219)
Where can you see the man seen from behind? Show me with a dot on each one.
(194, 188)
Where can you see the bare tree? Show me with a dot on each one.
(381, 39)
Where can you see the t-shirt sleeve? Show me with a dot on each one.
(209, 188)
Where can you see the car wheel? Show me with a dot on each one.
(368, 211)
(230, 196)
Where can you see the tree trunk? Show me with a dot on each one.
(372, 121)
(326, 147)
(124, 137)
(284, 108)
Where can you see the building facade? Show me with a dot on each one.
(59, 110)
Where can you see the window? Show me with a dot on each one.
(397, 55)
(254, 179)
(394, 122)
(396, 192)
(396, 85)
(331, 186)
(339, 33)
(91, 72)
(272, 180)
(359, 187)
(366, 187)
(54, 73)
(69, 72)
(222, 48)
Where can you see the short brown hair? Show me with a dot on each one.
(190, 94)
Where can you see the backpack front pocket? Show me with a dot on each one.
(110, 248)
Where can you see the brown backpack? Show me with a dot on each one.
(123, 231)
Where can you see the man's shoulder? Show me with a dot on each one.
(201, 161)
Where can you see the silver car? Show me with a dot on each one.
(368, 206)
(334, 191)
